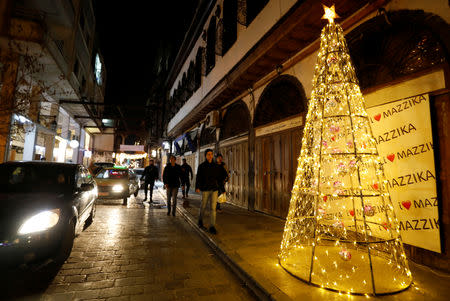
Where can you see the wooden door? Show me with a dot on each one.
(286, 162)
(236, 159)
(275, 170)
(244, 171)
(275, 175)
(233, 174)
(258, 174)
(237, 163)
(266, 168)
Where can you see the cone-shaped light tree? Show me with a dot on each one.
(341, 231)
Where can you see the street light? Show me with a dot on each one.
(74, 143)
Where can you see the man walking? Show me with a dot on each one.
(172, 178)
(150, 174)
(185, 183)
(207, 181)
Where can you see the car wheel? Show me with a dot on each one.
(66, 244)
(125, 200)
(90, 219)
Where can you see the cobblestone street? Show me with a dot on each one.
(135, 253)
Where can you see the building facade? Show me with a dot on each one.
(242, 79)
(52, 73)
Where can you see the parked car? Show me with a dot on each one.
(43, 206)
(139, 171)
(117, 183)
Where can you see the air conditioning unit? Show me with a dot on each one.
(212, 119)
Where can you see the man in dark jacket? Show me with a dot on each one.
(150, 174)
(172, 178)
(207, 181)
(185, 183)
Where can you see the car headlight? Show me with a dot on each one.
(117, 188)
(40, 222)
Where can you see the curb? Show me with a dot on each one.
(262, 289)
(254, 286)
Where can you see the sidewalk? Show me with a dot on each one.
(248, 242)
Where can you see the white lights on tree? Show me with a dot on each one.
(341, 232)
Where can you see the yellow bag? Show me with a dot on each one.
(222, 198)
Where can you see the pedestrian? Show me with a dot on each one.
(149, 175)
(185, 183)
(172, 179)
(207, 181)
(224, 176)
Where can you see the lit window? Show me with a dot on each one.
(98, 70)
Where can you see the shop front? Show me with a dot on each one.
(278, 132)
(234, 147)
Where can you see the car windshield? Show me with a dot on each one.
(112, 174)
(35, 178)
(104, 164)
(139, 171)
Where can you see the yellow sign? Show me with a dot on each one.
(402, 130)
(279, 126)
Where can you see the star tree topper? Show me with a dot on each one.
(330, 13)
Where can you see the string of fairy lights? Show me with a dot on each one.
(341, 232)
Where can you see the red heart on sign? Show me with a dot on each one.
(375, 186)
(352, 212)
(377, 117)
(391, 157)
(406, 204)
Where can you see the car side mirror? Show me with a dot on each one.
(86, 187)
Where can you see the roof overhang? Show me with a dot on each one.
(83, 112)
(296, 33)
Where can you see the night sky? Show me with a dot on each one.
(129, 33)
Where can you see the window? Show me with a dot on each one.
(83, 84)
(229, 24)
(198, 68)
(98, 69)
(82, 21)
(254, 7)
(211, 45)
(112, 174)
(76, 67)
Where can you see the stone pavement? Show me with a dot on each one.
(249, 242)
(137, 252)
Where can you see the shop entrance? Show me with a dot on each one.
(234, 148)
(276, 153)
(276, 165)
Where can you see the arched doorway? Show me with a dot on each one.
(277, 122)
(234, 148)
(395, 51)
(396, 45)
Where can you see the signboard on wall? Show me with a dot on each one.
(131, 148)
(279, 126)
(402, 130)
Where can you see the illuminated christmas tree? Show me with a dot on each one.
(341, 232)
